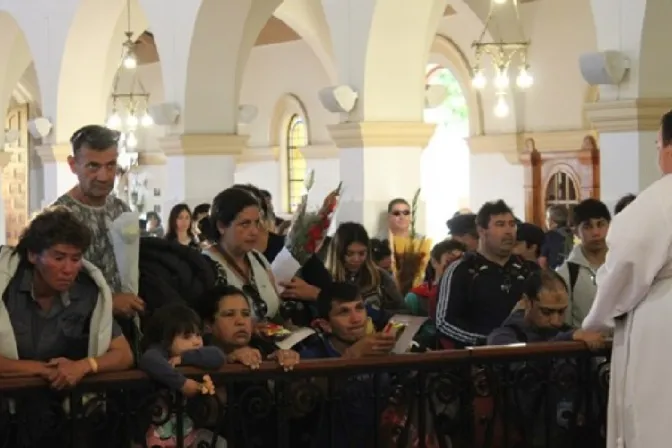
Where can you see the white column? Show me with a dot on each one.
(199, 166)
(628, 130)
(379, 162)
(58, 178)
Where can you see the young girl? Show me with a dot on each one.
(173, 338)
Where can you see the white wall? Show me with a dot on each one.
(274, 71)
(492, 177)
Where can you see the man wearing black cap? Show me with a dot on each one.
(477, 293)
(462, 228)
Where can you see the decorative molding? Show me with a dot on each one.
(204, 145)
(253, 154)
(381, 134)
(58, 153)
(5, 157)
(151, 158)
(259, 154)
(320, 151)
(511, 145)
(641, 114)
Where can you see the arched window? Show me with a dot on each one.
(297, 138)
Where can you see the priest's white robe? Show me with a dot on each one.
(634, 296)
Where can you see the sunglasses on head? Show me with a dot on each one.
(401, 212)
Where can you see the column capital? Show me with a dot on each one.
(151, 158)
(204, 145)
(629, 115)
(381, 134)
(5, 157)
(56, 153)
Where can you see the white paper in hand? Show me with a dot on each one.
(412, 326)
(284, 268)
(294, 338)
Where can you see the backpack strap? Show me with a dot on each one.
(573, 269)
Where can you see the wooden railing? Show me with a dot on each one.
(538, 395)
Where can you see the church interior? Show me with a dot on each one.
(543, 104)
(223, 92)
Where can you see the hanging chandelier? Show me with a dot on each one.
(502, 56)
(130, 108)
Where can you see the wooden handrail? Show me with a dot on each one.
(316, 367)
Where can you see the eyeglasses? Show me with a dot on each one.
(401, 212)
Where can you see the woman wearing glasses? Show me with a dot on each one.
(234, 229)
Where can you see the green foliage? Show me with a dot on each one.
(455, 104)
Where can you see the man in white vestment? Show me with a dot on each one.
(634, 296)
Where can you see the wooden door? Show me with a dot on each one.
(559, 178)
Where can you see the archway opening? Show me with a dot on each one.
(20, 101)
(445, 161)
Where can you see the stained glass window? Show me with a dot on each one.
(297, 138)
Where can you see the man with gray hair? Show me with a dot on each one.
(559, 240)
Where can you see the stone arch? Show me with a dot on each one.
(656, 33)
(91, 30)
(386, 48)
(307, 18)
(452, 57)
(285, 108)
(214, 72)
(16, 57)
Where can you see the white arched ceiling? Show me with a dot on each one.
(15, 58)
(83, 70)
(446, 53)
(306, 17)
(224, 35)
(654, 70)
(27, 90)
(395, 61)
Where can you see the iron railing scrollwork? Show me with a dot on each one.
(503, 397)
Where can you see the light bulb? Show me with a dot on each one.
(132, 121)
(130, 62)
(499, 2)
(524, 79)
(501, 107)
(479, 81)
(114, 121)
(502, 79)
(131, 140)
(146, 120)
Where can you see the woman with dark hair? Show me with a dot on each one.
(179, 226)
(234, 228)
(349, 260)
(382, 254)
(154, 227)
(56, 318)
(269, 243)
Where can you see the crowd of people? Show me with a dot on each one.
(67, 313)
